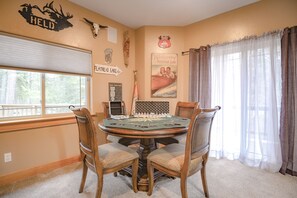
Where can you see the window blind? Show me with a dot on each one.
(28, 54)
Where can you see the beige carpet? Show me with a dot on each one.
(225, 179)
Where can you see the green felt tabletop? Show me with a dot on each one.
(146, 124)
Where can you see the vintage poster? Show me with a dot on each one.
(164, 75)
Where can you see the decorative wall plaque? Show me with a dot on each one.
(48, 17)
(108, 55)
(107, 69)
(164, 42)
(115, 91)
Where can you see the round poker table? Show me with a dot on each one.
(145, 127)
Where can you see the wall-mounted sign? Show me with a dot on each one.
(48, 17)
(115, 91)
(108, 55)
(164, 42)
(107, 69)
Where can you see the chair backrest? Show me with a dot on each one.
(106, 109)
(87, 136)
(185, 109)
(198, 136)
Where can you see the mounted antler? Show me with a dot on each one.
(95, 27)
(49, 8)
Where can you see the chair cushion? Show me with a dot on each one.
(112, 138)
(114, 154)
(172, 157)
(181, 138)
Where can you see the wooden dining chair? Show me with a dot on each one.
(112, 138)
(103, 159)
(179, 160)
(185, 110)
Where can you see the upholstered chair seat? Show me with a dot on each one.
(172, 157)
(114, 154)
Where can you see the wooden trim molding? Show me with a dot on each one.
(16, 125)
(13, 177)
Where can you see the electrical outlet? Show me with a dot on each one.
(7, 157)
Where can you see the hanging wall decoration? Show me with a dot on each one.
(126, 48)
(48, 17)
(95, 27)
(108, 55)
(164, 42)
(164, 75)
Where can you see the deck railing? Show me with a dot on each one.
(20, 110)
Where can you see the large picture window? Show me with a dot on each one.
(27, 94)
(40, 79)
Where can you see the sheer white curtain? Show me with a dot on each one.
(246, 83)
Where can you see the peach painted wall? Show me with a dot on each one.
(32, 148)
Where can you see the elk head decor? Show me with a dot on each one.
(46, 17)
(95, 27)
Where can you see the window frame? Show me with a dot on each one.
(43, 97)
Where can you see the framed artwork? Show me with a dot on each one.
(115, 91)
(164, 75)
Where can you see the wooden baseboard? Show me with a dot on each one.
(10, 178)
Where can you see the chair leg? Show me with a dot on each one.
(99, 185)
(134, 175)
(115, 174)
(204, 183)
(183, 186)
(150, 172)
(83, 177)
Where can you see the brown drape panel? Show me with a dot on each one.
(200, 76)
(288, 117)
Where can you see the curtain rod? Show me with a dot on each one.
(185, 53)
(241, 39)
(197, 49)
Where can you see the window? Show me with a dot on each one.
(40, 79)
(246, 82)
(21, 93)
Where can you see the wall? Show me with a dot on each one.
(32, 148)
(35, 147)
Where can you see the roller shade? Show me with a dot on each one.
(28, 54)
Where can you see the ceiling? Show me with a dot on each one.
(137, 13)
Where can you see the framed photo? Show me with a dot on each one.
(164, 75)
(115, 91)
